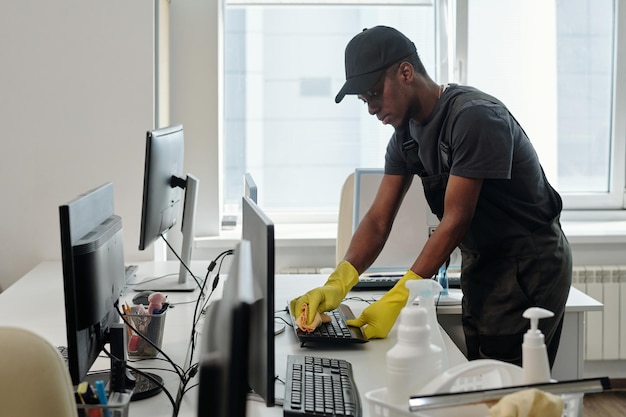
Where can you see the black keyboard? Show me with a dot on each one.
(318, 386)
(377, 282)
(386, 282)
(335, 331)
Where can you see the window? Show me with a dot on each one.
(283, 68)
(552, 62)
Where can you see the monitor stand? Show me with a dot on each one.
(142, 387)
(167, 284)
(120, 378)
(183, 281)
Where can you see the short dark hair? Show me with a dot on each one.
(412, 59)
(415, 60)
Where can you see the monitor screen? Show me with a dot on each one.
(163, 203)
(258, 229)
(223, 364)
(93, 275)
(404, 241)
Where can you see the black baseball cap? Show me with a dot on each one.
(370, 53)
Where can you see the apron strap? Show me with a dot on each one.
(410, 145)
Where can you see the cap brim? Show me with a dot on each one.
(359, 84)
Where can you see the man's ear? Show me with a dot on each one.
(407, 72)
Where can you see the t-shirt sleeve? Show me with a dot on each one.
(395, 160)
(482, 142)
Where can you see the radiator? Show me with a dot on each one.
(605, 331)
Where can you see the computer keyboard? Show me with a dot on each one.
(335, 331)
(376, 282)
(382, 282)
(317, 386)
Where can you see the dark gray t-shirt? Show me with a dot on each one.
(485, 142)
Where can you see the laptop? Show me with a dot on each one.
(337, 331)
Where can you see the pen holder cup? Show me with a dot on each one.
(117, 406)
(148, 325)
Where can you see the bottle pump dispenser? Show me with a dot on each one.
(535, 365)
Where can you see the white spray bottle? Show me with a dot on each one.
(427, 290)
(414, 360)
(535, 365)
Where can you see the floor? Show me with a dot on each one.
(607, 404)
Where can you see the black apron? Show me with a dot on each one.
(499, 281)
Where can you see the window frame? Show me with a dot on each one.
(582, 206)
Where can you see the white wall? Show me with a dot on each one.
(76, 98)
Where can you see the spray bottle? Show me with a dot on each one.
(535, 365)
(427, 290)
(414, 360)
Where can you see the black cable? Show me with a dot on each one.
(196, 319)
(210, 268)
(190, 388)
(283, 320)
(193, 367)
(214, 284)
(181, 261)
(146, 375)
(176, 367)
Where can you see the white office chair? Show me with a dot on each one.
(34, 379)
(346, 214)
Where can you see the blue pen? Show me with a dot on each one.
(102, 397)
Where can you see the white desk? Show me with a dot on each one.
(569, 362)
(36, 302)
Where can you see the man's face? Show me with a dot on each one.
(387, 99)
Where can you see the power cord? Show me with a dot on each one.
(176, 367)
(146, 375)
(182, 262)
(193, 368)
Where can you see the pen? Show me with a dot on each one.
(102, 397)
(126, 310)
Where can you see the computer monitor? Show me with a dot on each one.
(223, 363)
(249, 188)
(93, 275)
(258, 229)
(411, 228)
(162, 199)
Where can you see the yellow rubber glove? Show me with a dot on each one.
(379, 317)
(329, 296)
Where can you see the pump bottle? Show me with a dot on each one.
(535, 365)
(414, 360)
